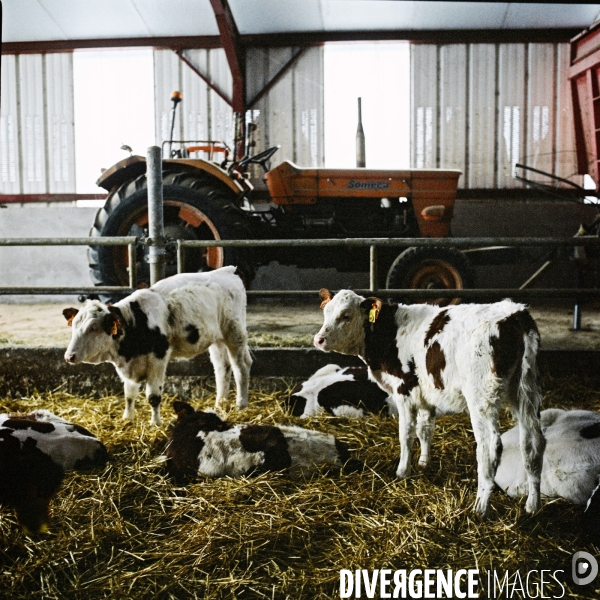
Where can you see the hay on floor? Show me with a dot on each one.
(128, 532)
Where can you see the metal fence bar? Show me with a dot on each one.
(101, 289)
(129, 241)
(470, 293)
(552, 242)
(75, 241)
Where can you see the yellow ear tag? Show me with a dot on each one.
(373, 315)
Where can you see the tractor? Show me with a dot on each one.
(207, 197)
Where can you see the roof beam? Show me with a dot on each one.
(170, 43)
(450, 36)
(234, 51)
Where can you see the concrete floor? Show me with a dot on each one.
(43, 325)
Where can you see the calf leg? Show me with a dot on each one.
(240, 363)
(155, 380)
(131, 391)
(425, 429)
(219, 357)
(406, 431)
(484, 419)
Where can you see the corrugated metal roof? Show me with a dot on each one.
(45, 20)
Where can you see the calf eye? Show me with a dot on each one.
(345, 317)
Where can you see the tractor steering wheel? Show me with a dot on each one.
(262, 158)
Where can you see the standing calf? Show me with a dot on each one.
(436, 361)
(180, 316)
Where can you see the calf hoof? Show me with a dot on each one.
(532, 505)
(241, 403)
(403, 473)
(481, 507)
(128, 415)
(423, 462)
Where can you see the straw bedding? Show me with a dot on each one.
(128, 532)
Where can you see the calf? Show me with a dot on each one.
(435, 361)
(344, 392)
(571, 467)
(180, 316)
(35, 451)
(203, 444)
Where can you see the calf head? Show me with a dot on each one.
(345, 317)
(95, 328)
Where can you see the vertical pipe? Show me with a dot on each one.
(156, 250)
(373, 268)
(180, 257)
(361, 160)
(132, 253)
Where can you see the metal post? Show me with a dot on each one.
(156, 228)
(132, 254)
(180, 257)
(577, 305)
(373, 268)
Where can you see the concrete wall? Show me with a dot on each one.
(55, 266)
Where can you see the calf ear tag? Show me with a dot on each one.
(373, 314)
(115, 328)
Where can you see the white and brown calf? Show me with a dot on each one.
(437, 361)
(339, 391)
(201, 443)
(181, 316)
(35, 451)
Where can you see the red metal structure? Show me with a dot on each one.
(584, 76)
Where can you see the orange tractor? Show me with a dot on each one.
(209, 200)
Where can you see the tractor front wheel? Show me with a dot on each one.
(422, 268)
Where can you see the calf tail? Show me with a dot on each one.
(529, 398)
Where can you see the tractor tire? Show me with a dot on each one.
(431, 268)
(195, 208)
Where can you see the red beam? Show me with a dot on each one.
(230, 39)
(31, 198)
(172, 43)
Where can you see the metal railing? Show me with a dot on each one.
(131, 243)
(371, 243)
(374, 243)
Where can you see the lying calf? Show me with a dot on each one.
(344, 392)
(35, 451)
(181, 316)
(201, 443)
(571, 468)
(436, 361)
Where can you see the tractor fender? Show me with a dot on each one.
(134, 166)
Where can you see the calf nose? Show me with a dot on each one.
(319, 341)
(71, 358)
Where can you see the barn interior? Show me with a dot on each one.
(504, 93)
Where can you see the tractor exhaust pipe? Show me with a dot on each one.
(361, 160)
(176, 99)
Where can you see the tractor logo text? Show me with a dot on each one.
(368, 185)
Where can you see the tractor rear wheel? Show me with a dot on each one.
(431, 268)
(194, 209)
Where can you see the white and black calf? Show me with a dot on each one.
(436, 361)
(35, 451)
(571, 468)
(339, 391)
(201, 443)
(181, 316)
